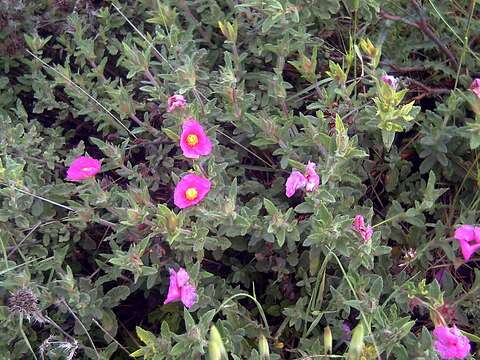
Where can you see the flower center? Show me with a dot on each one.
(86, 168)
(192, 140)
(191, 194)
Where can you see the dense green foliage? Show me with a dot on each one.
(84, 266)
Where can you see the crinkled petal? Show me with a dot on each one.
(295, 181)
(475, 87)
(188, 295)
(358, 222)
(449, 343)
(200, 184)
(468, 249)
(182, 277)
(173, 289)
(175, 101)
(465, 233)
(367, 233)
(313, 180)
(389, 80)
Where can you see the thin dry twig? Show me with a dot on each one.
(422, 25)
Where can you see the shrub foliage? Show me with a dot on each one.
(374, 92)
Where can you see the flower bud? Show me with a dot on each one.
(263, 348)
(216, 349)
(356, 343)
(171, 223)
(229, 30)
(327, 340)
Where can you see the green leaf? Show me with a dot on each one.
(138, 353)
(388, 137)
(270, 206)
(146, 336)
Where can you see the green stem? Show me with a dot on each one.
(362, 314)
(452, 30)
(386, 220)
(25, 337)
(83, 327)
(314, 297)
(259, 306)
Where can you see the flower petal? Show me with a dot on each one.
(83, 168)
(202, 148)
(200, 184)
(188, 295)
(173, 289)
(465, 233)
(295, 181)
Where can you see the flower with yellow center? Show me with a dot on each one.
(191, 194)
(192, 140)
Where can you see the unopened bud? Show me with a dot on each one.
(171, 223)
(356, 343)
(216, 350)
(263, 348)
(327, 340)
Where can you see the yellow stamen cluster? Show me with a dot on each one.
(192, 140)
(191, 194)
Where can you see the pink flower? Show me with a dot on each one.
(475, 87)
(365, 232)
(310, 181)
(180, 288)
(390, 80)
(469, 238)
(83, 168)
(193, 140)
(295, 181)
(191, 190)
(176, 101)
(313, 180)
(450, 343)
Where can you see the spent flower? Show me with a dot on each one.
(180, 288)
(310, 180)
(176, 102)
(365, 231)
(391, 81)
(475, 87)
(469, 238)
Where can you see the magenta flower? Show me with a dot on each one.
(191, 190)
(83, 168)
(310, 181)
(365, 232)
(180, 288)
(475, 87)
(295, 181)
(313, 180)
(176, 101)
(469, 238)
(390, 80)
(193, 140)
(450, 343)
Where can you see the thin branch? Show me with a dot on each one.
(424, 27)
(83, 326)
